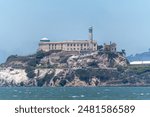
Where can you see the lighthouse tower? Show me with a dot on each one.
(91, 33)
(90, 38)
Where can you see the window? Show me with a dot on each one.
(70, 44)
(81, 44)
(77, 44)
(67, 44)
(74, 44)
(49, 46)
(84, 44)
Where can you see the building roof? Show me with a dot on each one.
(112, 44)
(76, 41)
(44, 39)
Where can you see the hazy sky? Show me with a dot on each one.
(24, 22)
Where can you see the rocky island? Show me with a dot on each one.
(59, 68)
(73, 63)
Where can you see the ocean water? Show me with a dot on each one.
(74, 93)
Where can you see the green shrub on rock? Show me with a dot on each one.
(30, 72)
(45, 80)
(62, 83)
(83, 74)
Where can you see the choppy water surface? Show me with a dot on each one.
(75, 93)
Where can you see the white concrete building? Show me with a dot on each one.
(70, 45)
(140, 63)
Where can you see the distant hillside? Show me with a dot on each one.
(145, 56)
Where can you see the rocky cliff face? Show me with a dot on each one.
(57, 68)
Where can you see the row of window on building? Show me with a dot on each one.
(56, 48)
(77, 44)
(55, 44)
(71, 44)
(70, 49)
